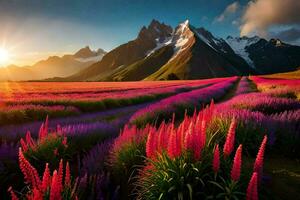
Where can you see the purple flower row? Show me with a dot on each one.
(194, 97)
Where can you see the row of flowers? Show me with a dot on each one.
(198, 97)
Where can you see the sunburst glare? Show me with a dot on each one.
(4, 56)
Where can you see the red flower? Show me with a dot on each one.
(237, 163)
(216, 160)
(252, 188)
(12, 194)
(55, 192)
(150, 148)
(30, 173)
(180, 135)
(46, 179)
(68, 175)
(203, 133)
(259, 161)
(229, 143)
(173, 148)
(161, 143)
(46, 124)
(30, 142)
(24, 145)
(36, 195)
(60, 174)
(188, 140)
(42, 133)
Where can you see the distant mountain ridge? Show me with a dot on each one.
(54, 66)
(187, 52)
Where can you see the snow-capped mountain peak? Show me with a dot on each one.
(178, 39)
(240, 44)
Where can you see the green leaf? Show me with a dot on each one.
(160, 196)
(190, 190)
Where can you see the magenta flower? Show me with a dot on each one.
(216, 160)
(229, 143)
(237, 163)
(252, 188)
(259, 161)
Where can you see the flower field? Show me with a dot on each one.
(223, 138)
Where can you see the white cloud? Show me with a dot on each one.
(230, 9)
(260, 15)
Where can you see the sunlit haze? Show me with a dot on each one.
(4, 57)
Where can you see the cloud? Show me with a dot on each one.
(260, 15)
(235, 22)
(230, 9)
(289, 35)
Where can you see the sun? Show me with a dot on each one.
(4, 56)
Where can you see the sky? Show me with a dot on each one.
(35, 29)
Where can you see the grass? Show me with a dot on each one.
(288, 75)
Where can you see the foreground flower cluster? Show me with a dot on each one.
(55, 187)
(187, 161)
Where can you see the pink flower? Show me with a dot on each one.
(237, 163)
(259, 161)
(216, 160)
(252, 188)
(229, 143)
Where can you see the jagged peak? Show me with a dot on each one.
(186, 22)
(87, 52)
(154, 23)
(183, 25)
(155, 30)
(276, 42)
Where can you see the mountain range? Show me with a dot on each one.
(160, 52)
(54, 66)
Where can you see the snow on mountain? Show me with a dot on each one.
(205, 40)
(239, 45)
(178, 39)
(160, 44)
(181, 37)
(216, 43)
